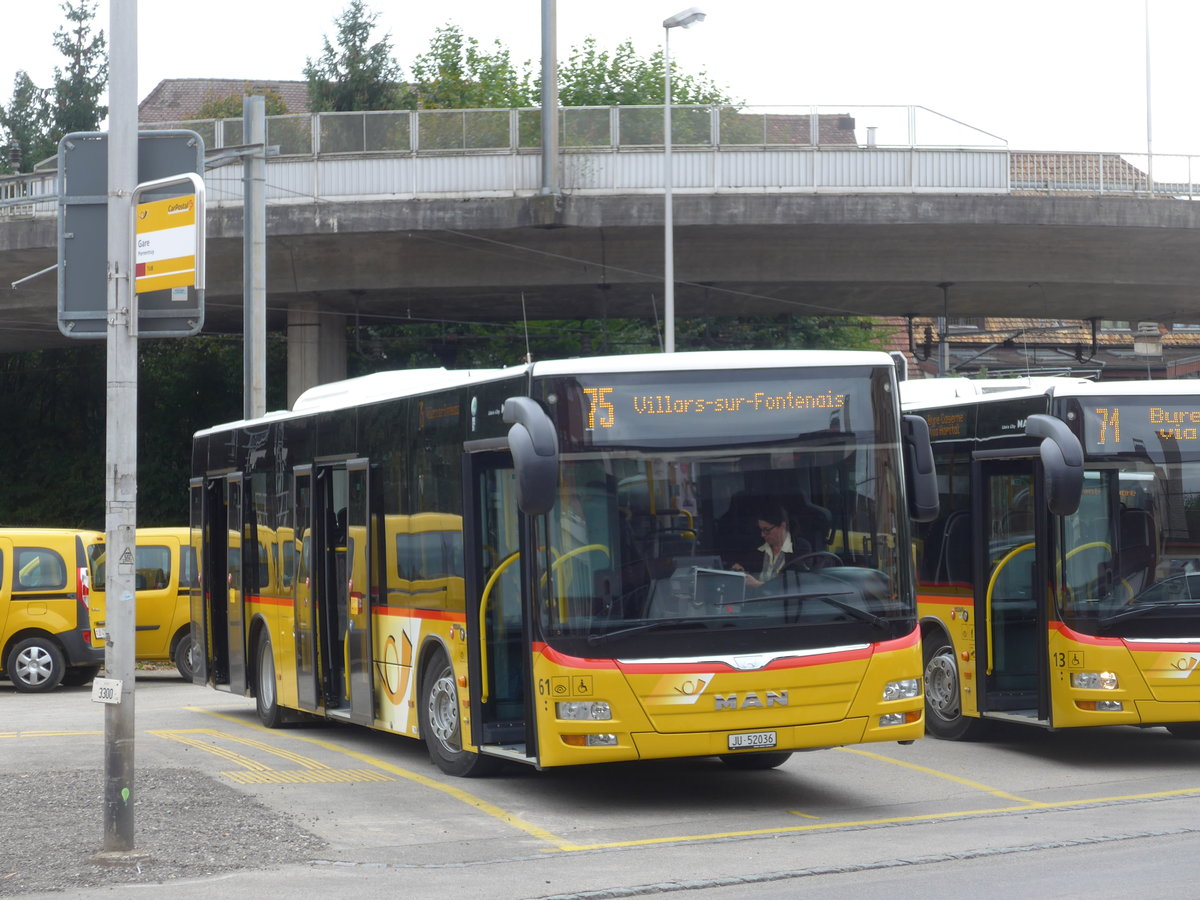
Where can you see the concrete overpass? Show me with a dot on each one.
(384, 232)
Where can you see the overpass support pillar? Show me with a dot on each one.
(316, 348)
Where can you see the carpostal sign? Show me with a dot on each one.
(165, 244)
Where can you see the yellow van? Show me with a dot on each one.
(165, 567)
(46, 636)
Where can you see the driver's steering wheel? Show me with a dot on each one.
(815, 559)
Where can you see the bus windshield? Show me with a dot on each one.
(657, 554)
(1130, 557)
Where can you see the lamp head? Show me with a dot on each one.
(685, 19)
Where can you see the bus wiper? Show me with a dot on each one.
(595, 640)
(861, 614)
(1141, 609)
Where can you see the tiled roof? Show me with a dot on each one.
(178, 99)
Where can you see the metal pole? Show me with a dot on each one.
(668, 211)
(120, 474)
(944, 327)
(550, 97)
(254, 260)
(1149, 139)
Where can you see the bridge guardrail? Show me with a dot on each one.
(429, 153)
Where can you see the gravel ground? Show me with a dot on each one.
(186, 825)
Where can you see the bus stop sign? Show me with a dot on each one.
(83, 234)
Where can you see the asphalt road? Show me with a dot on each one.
(1069, 814)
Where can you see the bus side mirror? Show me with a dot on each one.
(534, 447)
(1062, 462)
(920, 474)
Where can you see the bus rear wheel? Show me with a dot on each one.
(441, 723)
(943, 695)
(266, 698)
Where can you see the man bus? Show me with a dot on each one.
(536, 564)
(1060, 584)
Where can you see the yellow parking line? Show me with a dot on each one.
(38, 734)
(478, 803)
(896, 820)
(995, 792)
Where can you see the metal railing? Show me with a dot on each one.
(614, 149)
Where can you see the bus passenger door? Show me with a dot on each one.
(499, 629)
(1010, 598)
(235, 587)
(361, 589)
(306, 631)
(197, 586)
(330, 587)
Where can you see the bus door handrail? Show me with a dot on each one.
(987, 600)
(483, 604)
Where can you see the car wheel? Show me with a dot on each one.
(441, 723)
(183, 657)
(36, 665)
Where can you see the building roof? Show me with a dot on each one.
(178, 99)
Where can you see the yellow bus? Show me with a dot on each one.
(546, 564)
(1060, 585)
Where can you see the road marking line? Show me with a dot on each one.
(325, 776)
(896, 820)
(513, 821)
(995, 792)
(37, 734)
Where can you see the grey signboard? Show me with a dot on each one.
(83, 233)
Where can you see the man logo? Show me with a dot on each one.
(751, 700)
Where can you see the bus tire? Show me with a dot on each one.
(943, 693)
(182, 657)
(36, 665)
(266, 697)
(441, 723)
(78, 675)
(755, 762)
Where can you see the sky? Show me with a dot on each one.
(1051, 75)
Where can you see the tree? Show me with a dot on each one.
(456, 73)
(78, 88)
(357, 74)
(230, 106)
(595, 77)
(25, 124)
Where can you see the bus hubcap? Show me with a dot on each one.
(941, 685)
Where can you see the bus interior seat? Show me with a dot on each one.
(954, 554)
(809, 521)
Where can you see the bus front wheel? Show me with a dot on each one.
(754, 762)
(943, 695)
(441, 723)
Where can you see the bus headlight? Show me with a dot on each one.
(1104, 681)
(905, 689)
(584, 710)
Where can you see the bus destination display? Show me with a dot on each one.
(608, 411)
(1130, 426)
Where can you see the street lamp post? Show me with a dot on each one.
(685, 19)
